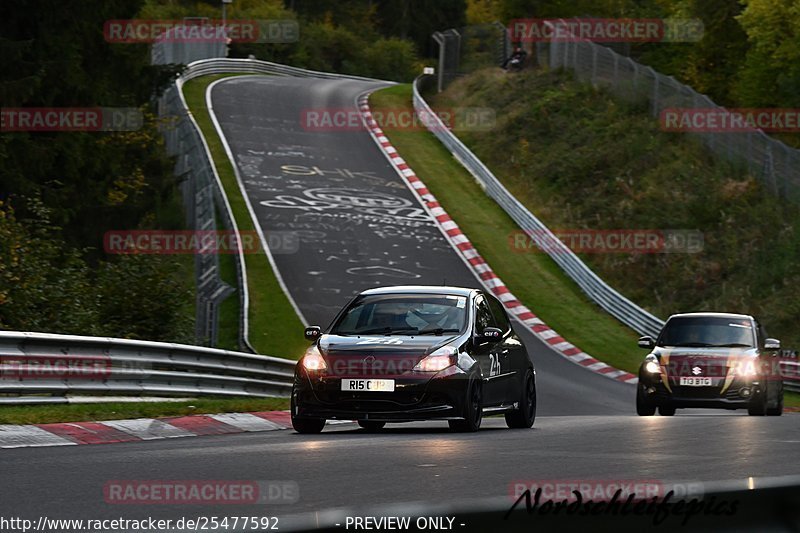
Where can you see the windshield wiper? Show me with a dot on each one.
(385, 331)
(438, 331)
(732, 345)
(693, 345)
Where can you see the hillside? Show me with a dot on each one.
(579, 159)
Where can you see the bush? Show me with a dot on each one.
(47, 286)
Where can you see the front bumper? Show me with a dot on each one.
(413, 400)
(739, 394)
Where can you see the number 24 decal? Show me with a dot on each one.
(379, 340)
(494, 364)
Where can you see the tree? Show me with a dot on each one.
(711, 64)
(770, 76)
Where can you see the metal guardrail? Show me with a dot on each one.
(208, 67)
(598, 290)
(203, 203)
(39, 363)
(40, 368)
(790, 371)
(203, 189)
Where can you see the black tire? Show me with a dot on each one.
(644, 407)
(524, 417)
(305, 425)
(308, 425)
(666, 410)
(775, 405)
(371, 425)
(473, 411)
(758, 405)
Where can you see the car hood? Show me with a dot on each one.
(382, 344)
(378, 356)
(707, 362)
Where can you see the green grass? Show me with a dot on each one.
(791, 399)
(185, 271)
(45, 414)
(533, 277)
(580, 158)
(275, 328)
(228, 314)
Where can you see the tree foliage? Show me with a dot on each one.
(749, 55)
(770, 75)
(69, 188)
(46, 285)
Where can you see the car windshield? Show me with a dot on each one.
(701, 332)
(403, 314)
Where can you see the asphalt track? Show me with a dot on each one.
(362, 228)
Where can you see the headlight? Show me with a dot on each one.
(651, 364)
(313, 361)
(438, 360)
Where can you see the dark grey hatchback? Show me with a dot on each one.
(400, 354)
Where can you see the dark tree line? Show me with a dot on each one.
(61, 191)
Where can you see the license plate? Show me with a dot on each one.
(696, 382)
(368, 385)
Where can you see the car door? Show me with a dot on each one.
(486, 352)
(510, 354)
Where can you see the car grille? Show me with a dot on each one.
(699, 393)
(405, 394)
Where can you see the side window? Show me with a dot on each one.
(499, 314)
(356, 317)
(483, 316)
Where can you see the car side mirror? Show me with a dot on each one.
(491, 335)
(772, 344)
(646, 342)
(313, 333)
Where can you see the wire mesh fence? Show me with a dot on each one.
(773, 162)
(777, 165)
(199, 191)
(203, 195)
(470, 48)
(172, 50)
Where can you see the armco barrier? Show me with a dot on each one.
(36, 364)
(185, 141)
(142, 367)
(790, 370)
(598, 290)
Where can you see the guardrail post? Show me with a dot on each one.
(439, 38)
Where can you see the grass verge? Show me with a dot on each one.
(275, 328)
(46, 414)
(534, 278)
(791, 399)
(586, 161)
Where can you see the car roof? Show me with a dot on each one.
(420, 289)
(717, 315)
